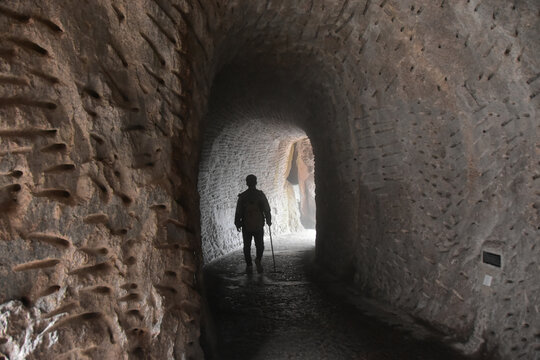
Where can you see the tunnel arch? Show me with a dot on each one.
(306, 85)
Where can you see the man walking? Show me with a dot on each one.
(252, 209)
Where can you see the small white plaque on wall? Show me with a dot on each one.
(487, 280)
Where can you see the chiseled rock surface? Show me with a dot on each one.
(98, 205)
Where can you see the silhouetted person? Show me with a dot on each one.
(252, 209)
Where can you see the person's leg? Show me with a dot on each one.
(246, 235)
(259, 245)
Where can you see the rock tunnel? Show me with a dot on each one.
(125, 127)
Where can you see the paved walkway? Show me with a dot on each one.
(284, 315)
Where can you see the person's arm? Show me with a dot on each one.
(238, 215)
(266, 209)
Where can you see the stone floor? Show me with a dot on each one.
(284, 315)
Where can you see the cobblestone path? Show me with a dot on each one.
(284, 315)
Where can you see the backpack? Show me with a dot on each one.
(252, 214)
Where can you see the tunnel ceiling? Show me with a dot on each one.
(423, 116)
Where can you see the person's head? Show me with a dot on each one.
(251, 181)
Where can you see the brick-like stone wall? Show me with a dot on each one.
(423, 117)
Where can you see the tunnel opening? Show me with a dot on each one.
(254, 129)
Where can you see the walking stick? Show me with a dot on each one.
(272, 247)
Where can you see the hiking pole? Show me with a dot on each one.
(272, 247)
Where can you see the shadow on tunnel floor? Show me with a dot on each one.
(291, 315)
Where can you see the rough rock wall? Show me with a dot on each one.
(98, 162)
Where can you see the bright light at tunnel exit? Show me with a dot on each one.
(301, 179)
(285, 169)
